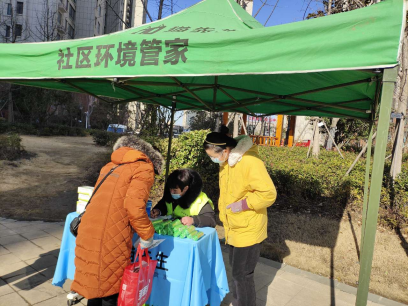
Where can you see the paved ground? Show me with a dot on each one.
(29, 251)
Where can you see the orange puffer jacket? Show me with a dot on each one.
(104, 241)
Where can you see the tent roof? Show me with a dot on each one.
(215, 56)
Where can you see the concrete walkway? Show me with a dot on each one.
(29, 252)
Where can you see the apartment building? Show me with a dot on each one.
(113, 16)
(37, 20)
(49, 20)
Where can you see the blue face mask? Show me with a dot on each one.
(217, 159)
(176, 196)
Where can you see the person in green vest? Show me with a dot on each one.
(183, 198)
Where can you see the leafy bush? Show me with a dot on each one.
(104, 138)
(10, 147)
(315, 185)
(187, 152)
(305, 182)
(311, 178)
(396, 211)
(32, 129)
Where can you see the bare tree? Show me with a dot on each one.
(46, 27)
(401, 88)
(264, 3)
(270, 15)
(335, 7)
(338, 6)
(400, 106)
(316, 138)
(13, 28)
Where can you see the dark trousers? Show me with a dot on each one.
(243, 262)
(111, 300)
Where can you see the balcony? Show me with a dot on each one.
(61, 7)
(61, 30)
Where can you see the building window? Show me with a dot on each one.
(59, 18)
(9, 9)
(71, 31)
(66, 25)
(8, 30)
(99, 28)
(100, 11)
(19, 30)
(72, 12)
(58, 37)
(20, 8)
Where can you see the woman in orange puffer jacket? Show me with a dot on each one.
(117, 210)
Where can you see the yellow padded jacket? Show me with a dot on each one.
(244, 176)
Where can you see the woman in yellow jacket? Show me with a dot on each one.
(246, 191)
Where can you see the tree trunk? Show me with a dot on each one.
(10, 107)
(218, 122)
(316, 140)
(400, 103)
(333, 128)
(333, 125)
(160, 9)
(236, 125)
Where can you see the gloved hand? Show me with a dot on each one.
(238, 206)
(145, 244)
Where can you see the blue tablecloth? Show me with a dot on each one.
(188, 272)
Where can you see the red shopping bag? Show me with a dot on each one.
(137, 280)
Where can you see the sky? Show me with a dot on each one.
(286, 11)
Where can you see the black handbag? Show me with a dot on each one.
(73, 227)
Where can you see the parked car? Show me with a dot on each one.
(117, 128)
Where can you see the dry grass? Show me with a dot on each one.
(307, 242)
(45, 186)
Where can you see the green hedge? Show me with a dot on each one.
(316, 185)
(187, 152)
(104, 138)
(10, 147)
(310, 179)
(33, 129)
(307, 182)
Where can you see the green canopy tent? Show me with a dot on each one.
(214, 56)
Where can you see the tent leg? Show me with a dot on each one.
(367, 181)
(389, 79)
(173, 110)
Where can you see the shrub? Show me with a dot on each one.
(33, 129)
(104, 138)
(187, 152)
(315, 185)
(10, 147)
(304, 182)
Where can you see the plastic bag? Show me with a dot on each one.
(137, 280)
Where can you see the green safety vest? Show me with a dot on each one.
(194, 208)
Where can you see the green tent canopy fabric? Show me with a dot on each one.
(214, 56)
